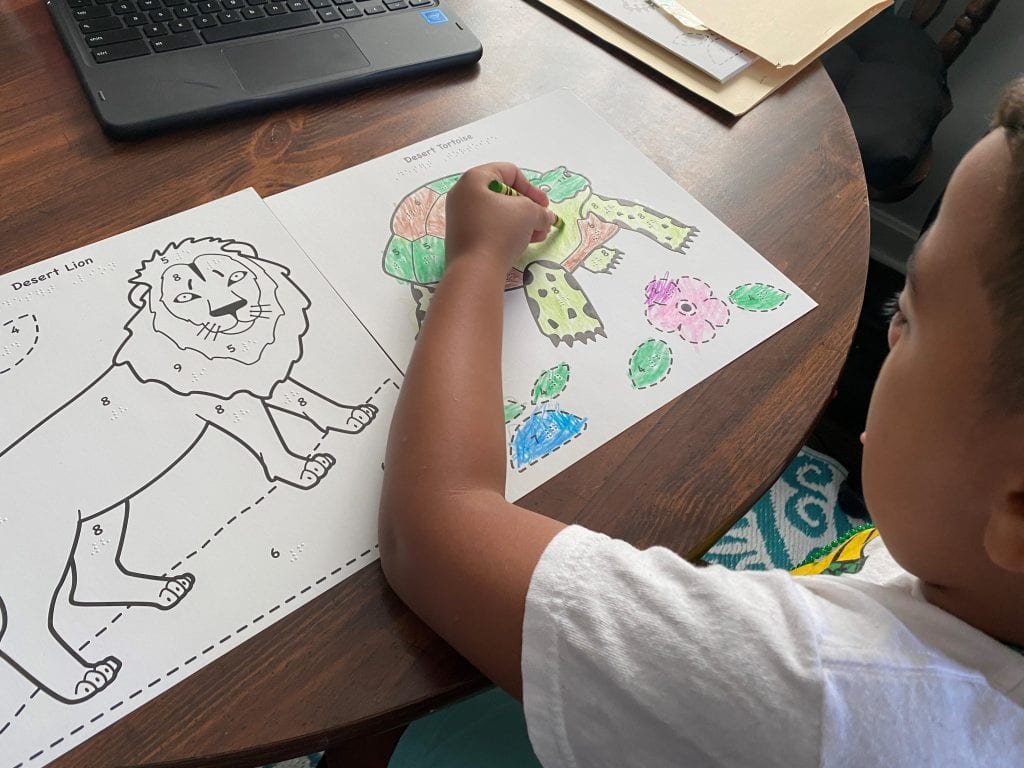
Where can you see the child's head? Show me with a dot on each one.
(944, 444)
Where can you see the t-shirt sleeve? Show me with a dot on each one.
(639, 658)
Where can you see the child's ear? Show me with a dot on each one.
(1004, 533)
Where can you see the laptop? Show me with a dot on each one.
(148, 65)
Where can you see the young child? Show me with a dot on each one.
(636, 658)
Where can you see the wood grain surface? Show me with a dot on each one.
(786, 177)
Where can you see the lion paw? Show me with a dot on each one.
(97, 678)
(174, 590)
(316, 467)
(359, 417)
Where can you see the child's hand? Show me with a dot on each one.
(490, 225)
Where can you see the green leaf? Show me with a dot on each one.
(650, 363)
(513, 410)
(758, 297)
(550, 384)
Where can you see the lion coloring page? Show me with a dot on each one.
(641, 295)
(192, 431)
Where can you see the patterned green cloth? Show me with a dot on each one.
(798, 514)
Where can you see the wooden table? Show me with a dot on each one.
(786, 177)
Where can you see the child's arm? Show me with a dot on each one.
(452, 547)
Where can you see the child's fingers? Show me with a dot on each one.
(510, 174)
(545, 220)
(521, 185)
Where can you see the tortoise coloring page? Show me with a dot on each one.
(191, 445)
(641, 295)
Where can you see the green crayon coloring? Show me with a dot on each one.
(504, 189)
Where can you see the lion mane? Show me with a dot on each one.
(165, 349)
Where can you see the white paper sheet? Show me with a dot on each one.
(693, 304)
(705, 50)
(80, 433)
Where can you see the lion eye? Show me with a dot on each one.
(236, 276)
(181, 298)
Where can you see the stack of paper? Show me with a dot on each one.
(772, 42)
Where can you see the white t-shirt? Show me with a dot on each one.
(637, 658)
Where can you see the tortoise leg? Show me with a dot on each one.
(559, 306)
(422, 294)
(662, 229)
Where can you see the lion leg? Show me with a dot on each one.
(247, 419)
(99, 578)
(326, 414)
(29, 642)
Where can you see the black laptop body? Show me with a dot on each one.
(147, 65)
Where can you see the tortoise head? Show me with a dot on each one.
(560, 183)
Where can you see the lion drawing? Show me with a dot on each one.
(215, 336)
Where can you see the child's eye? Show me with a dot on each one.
(897, 320)
(891, 307)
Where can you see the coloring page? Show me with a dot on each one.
(642, 294)
(192, 426)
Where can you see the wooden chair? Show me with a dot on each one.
(892, 76)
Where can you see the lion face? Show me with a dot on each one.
(216, 293)
(213, 317)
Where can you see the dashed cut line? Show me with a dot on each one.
(192, 659)
(32, 346)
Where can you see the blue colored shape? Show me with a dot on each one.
(435, 16)
(544, 432)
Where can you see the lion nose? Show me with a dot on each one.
(228, 309)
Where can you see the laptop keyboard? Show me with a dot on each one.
(124, 29)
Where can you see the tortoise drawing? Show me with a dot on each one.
(562, 311)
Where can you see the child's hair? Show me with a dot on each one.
(1003, 276)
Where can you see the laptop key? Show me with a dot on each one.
(417, 3)
(204, 21)
(229, 17)
(397, 5)
(117, 51)
(134, 19)
(78, 3)
(252, 13)
(113, 36)
(162, 15)
(155, 30)
(329, 14)
(124, 7)
(91, 12)
(275, 9)
(350, 12)
(179, 26)
(259, 26)
(175, 42)
(100, 25)
(185, 12)
(320, 3)
(373, 9)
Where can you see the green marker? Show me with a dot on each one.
(504, 189)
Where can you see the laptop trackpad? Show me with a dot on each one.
(269, 64)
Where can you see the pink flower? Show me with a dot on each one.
(685, 306)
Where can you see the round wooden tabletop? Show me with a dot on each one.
(786, 177)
